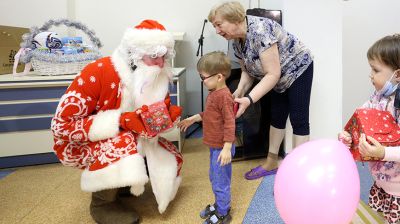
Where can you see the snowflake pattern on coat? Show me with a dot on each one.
(95, 90)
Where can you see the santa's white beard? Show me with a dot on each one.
(150, 84)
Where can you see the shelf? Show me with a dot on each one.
(178, 36)
(33, 79)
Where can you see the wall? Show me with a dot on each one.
(319, 25)
(26, 13)
(364, 22)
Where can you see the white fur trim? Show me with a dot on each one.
(105, 125)
(121, 66)
(137, 190)
(162, 166)
(147, 38)
(124, 72)
(178, 182)
(128, 171)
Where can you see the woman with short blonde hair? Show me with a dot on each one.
(231, 11)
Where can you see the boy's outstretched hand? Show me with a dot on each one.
(184, 124)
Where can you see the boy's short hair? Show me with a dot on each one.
(386, 50)
(215, 62)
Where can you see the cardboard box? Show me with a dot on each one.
(10, 39)
(375, 123)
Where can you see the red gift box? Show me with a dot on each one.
(156, 118)
(375, 123)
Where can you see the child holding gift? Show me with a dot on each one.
(384, 59)
(218, 133)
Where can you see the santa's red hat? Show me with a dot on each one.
(149, 37)
(150, 24)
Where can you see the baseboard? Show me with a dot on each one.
(28, 160)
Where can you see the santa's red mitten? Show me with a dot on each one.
(131, 121)
(167, 101)
(175, 112)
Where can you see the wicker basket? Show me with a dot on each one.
(50, 64)
(51, 68)
(45, 63)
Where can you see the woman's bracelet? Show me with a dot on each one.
(249, 97)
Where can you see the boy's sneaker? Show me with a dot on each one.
(217, 218)
(207, 211)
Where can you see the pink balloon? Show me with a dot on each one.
(317, 183)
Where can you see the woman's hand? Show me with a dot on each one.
(272, 69)
(244, 103)
(345, 138)
(375, 150)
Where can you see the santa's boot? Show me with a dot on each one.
(124, 192)
(105, 209)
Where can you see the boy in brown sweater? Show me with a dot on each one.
(218, 133)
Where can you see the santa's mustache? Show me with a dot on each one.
(146, 76)
(144, 70)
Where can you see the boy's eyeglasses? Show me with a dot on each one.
(202, 77)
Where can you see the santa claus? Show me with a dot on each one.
(97, 126)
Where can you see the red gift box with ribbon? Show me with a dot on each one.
(156, 118)
(375, 123)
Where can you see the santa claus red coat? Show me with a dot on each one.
(86, 125)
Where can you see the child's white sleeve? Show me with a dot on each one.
(392, 154)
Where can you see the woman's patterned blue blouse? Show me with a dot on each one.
(261, 34)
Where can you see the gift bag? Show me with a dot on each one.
(156, 118)
(375, 123)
